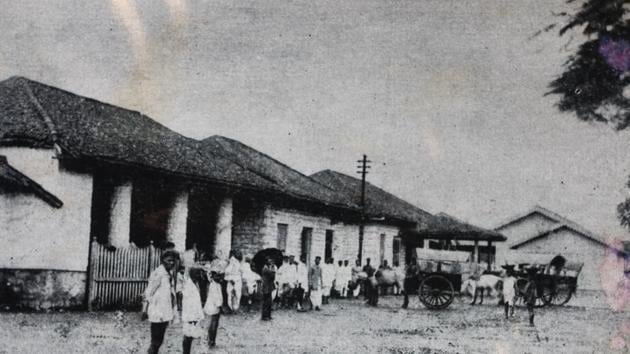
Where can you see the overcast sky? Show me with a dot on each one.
(445, 96)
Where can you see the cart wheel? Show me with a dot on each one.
(540, 301)
(436, 292)
(520, 285)
(559, 297)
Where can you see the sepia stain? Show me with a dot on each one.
(155, 56)
(127, 13)
(616, 53)
(616, 285)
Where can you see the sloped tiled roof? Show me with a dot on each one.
(288, 179)
(37, 115)
(379, 203)
(449, 227)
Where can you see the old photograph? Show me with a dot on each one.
(291, 176)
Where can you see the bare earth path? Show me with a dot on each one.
(342, 327)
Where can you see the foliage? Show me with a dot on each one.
(596, 78)
(595, 83)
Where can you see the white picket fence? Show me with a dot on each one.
(119, 276)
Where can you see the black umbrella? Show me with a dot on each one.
(558, 262)
(261, 258)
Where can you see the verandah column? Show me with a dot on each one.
(223, 234)
(476, 252)
(120, 222)
(489, 255)
(177, 221)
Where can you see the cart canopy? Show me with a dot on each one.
(442, 256)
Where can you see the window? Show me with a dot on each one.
(396, 252)
(329, 244)
(283, 230)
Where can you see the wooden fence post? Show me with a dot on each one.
(90, 283)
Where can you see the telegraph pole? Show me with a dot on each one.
(363, 171)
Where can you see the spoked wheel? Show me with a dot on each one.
(540, 300)
(436, 292)
(520, 286)
(558, 296)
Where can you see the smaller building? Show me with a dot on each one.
(445, 232)
(542, 232)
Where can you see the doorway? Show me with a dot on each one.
(305, 243)
(328, 250)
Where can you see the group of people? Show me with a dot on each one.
(197, 293)
(508, 288)
(321, 281)
(511, 291)
(184, 289)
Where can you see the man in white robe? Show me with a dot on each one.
(234, 279)
(315, 283)
(328, 278)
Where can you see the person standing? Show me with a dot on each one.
(291, 279)
(328, 278)
(234, 280)
(356, 280)
(316, 284)
(219, 263)
(192, 309)
(268, 285)
(345, 274)
(213, 304)
(250, 282)
(530, 294)
(160, 299)
(411, 281)
(371, 293)
(302, 281)
(338, 285)
(283, 281)
(509, 291)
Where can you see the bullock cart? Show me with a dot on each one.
(439, 276)
(556, 279)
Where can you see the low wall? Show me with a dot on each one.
(41, 289)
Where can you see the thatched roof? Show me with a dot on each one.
(36, 115)
(15, 181)
(444, 226)
(289, 180)
(379, 203)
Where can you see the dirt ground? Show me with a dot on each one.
(344, 326)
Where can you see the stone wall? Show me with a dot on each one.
(41, 289)
(255, 226)
(248, 226)
(296, 221)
